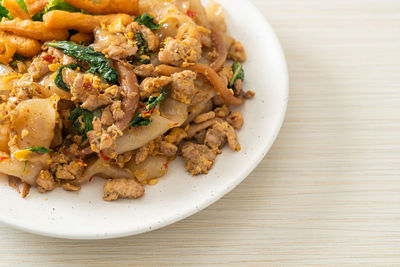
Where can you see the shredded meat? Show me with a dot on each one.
(122, 188)
(199, 159)
(150, 85)
(45, 181)
(183, 88)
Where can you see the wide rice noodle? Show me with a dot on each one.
(17, 168)
(103, 169)
(139, 136)
(151, 168)
(38, 118)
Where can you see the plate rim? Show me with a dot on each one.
(211, 199)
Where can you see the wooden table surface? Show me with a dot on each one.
(328, 193)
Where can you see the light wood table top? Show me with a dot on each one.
(329, 190)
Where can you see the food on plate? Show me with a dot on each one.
(117, 90)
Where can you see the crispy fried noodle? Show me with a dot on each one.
(115, 89)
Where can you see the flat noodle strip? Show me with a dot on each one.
(222, 51)
(107, 6)
(26, 47)
(33, 29)
(80, 22)
(15, 10)
(211, 75)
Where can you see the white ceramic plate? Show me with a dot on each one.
(84, 215)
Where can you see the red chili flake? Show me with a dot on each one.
(166, 165)
(176, 124)
(49, 58)
(104, 156)
(87, 86)
(191, 13)
(90, 179)
(3, 158)
(233, 118)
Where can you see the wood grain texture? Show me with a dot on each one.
(328, 193)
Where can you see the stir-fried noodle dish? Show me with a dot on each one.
(115, 89)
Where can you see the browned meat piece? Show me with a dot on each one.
(236, 120)
(249, 94)
(57, 53)
(142, 154)
(93, 102)
(176, 136)
(186, 48)
(215, 137)
(116, 110)
(107, 117)
(122, 188)
(218, 101)
(226, 74)
(152, 40)
(45, 181)
(222, 112)
(200, 137)
(205, 117)
(168, 149)
(150, 85)
(237, 52)
(199, 159)
(71, 187)
(75, 82)
(183, 88)
(69, 171)
(231, 135)
(96, 124)
(38, 68)
(146, 70)
(195, 128)
(238, 85)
